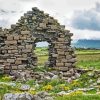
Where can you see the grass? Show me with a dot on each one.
(87, 51)
(88, 58)
(79, 97)
(85, 58)
(42, 54)
(42, 60)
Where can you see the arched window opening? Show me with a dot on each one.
(42, 53)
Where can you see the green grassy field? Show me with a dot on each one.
(79, 97)
(85, 58)
(42, 54)
(88, 59)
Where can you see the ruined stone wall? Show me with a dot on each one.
(16, 51)
(17, 44)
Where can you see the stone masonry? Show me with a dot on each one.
(18, 43)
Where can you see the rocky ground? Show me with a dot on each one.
(47, 85)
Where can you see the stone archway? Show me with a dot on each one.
(47, 38)
(19, 44)
(42, 53)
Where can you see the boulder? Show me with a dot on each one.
(61, 93)
(98, 81)
(27, 96)
(1, 70)
(23, 96)
(44, 96)
(55, 77)
(25, 87)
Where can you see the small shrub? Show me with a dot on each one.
(47, 87)
(6, 78)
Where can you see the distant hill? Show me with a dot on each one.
(87, 44)
(79, 44)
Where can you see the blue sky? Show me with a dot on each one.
(81, 17)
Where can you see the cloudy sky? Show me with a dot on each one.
(81, 17)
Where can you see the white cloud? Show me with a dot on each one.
(13, 10)
(84, 34)
(60, 9)
(87, 19)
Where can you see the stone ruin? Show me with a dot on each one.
(18, 43)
